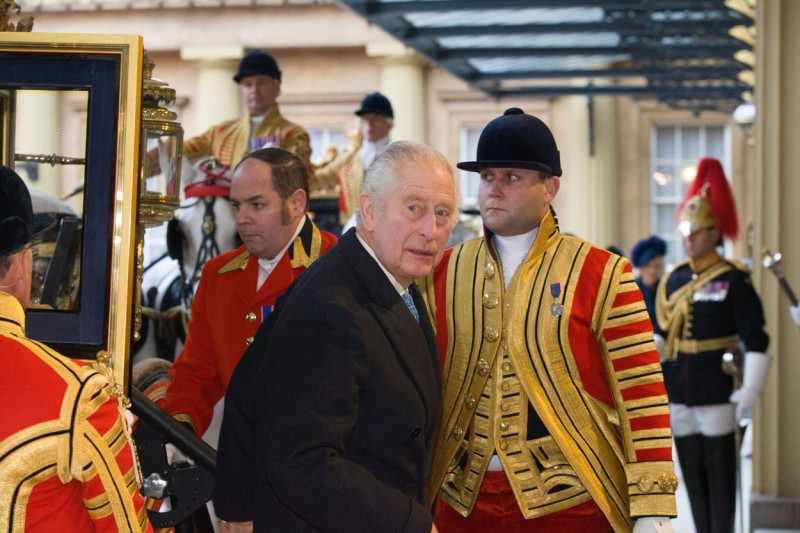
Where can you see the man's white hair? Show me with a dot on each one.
(380, 179)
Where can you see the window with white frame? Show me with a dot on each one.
(675, 152)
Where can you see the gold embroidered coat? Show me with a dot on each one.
(568, 342)
(66, 462)
(229, 142)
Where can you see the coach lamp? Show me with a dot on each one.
(161, 146)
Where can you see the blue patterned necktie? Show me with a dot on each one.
(410, 303)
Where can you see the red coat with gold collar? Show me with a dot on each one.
(226, 313)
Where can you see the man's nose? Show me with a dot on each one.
(427, 224)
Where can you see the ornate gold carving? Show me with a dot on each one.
(23, 24)
(102, 365)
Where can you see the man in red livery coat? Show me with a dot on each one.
(66, 459)
(555, 415)
(269, 193)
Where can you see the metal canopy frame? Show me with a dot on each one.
(688, 54)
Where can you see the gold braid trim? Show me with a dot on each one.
(674, 312)
(301, 258)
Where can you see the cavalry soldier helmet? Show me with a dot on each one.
(708, 202)
(516, 140)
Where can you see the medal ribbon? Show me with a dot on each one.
(555, 290)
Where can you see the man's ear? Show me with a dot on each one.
(298, 202)
(552, 184)
(366, 208)
(17, 281)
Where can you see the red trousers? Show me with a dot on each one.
(497, 511)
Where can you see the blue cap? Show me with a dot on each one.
(647, 249)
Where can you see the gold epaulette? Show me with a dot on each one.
(237, 263)
(739, 265)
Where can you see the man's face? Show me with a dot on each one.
(513, 201)
(259, 92)
(265, 222)
(374, 127)
(701, 242)
(410, 235)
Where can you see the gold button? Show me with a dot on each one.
(482, 367)
(250, 317)
(488, 270)
(469, 403)
(504, 406)
(506, 366)
(490, 300)
(490, 334)
(503, 426)
(249, 341)
(504, 446)
(505, 386)
(457, 433)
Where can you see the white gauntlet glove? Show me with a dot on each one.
(756, 370)
(653, 524)
(795, 312)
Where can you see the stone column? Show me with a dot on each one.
(218, 97)
(587, 142)
(775, 502)
(402, 82)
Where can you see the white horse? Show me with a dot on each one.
(204, 226)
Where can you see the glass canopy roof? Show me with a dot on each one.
(689, 54)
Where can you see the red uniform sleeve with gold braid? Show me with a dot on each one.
(105, 463)
(632, 383)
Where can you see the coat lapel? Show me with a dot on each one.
(414, 343)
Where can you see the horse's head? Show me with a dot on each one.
(206, 177)
(203, 227)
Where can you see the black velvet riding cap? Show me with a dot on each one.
(516, 140)
(376, 103)
(18, 224)
(258, 62)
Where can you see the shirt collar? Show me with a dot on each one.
(269, 264)
(399, 288)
